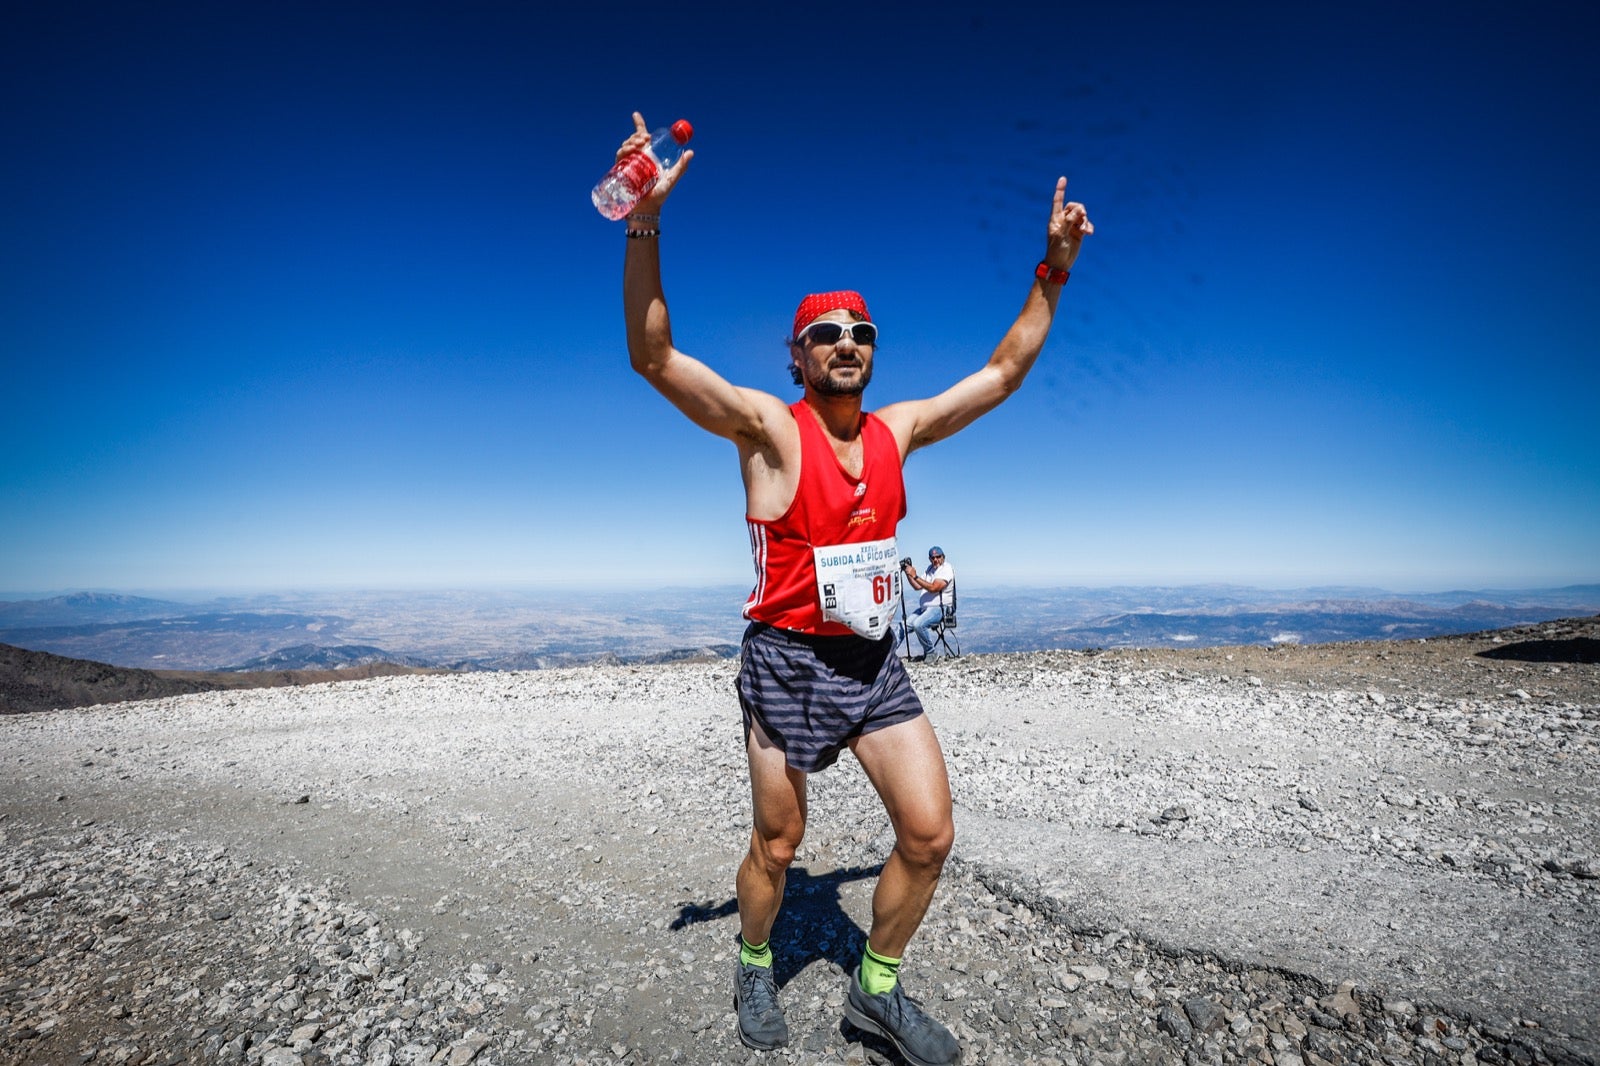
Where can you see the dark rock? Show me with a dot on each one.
(1170, 1020)
(1204, 1014)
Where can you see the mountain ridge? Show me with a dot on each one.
(518, 630)
(40, 681)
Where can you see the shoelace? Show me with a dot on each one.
(760, 994)
(904, 1008)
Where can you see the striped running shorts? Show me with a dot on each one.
(813, 695)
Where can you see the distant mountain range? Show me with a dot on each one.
(321, 657)
(342, 656)
(1188, 617)
(469, 630)
(80, 608)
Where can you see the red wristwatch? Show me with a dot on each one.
(1047, 273)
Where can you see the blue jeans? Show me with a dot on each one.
(922, 621)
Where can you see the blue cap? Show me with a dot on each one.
(935, 550)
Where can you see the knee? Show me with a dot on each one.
(927, 845)
(774, 853)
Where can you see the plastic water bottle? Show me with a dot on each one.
(635, 174)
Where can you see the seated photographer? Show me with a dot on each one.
(930, 611)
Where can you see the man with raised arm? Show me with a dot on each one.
(938, 587)
(818, 674)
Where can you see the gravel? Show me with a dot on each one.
(1161, 857)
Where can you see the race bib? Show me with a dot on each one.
(859, 584)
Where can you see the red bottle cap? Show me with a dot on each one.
(682, 131)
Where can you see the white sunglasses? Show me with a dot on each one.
(863, 333)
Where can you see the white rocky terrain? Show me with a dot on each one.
(1374, 853)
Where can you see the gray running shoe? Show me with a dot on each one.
(893, 1014)
(755, 997)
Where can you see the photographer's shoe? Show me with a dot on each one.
(895, 1015)
(755, 997)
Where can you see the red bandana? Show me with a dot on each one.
(818, 304)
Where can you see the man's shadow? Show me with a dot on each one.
(812, 924)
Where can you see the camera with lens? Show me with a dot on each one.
(907, 562)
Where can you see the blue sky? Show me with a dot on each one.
(312, 295)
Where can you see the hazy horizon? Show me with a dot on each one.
(611, 588)
(524, 628)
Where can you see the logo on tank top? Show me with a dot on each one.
(863, 516)
(861, 489)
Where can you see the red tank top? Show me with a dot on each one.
(830, 507)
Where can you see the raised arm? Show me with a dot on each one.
(709, 400)
(921, 422)
(937, 584)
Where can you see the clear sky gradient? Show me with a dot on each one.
(304, 295)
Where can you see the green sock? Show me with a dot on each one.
(755, 954)
(878, 974)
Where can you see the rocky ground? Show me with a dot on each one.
(1365, 853)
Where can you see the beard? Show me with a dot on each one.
(826, 385)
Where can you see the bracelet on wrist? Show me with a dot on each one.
(642, 234)
(1050, 275)
(639, 216)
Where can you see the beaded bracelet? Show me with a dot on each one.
(641, 234)
(639, 217)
